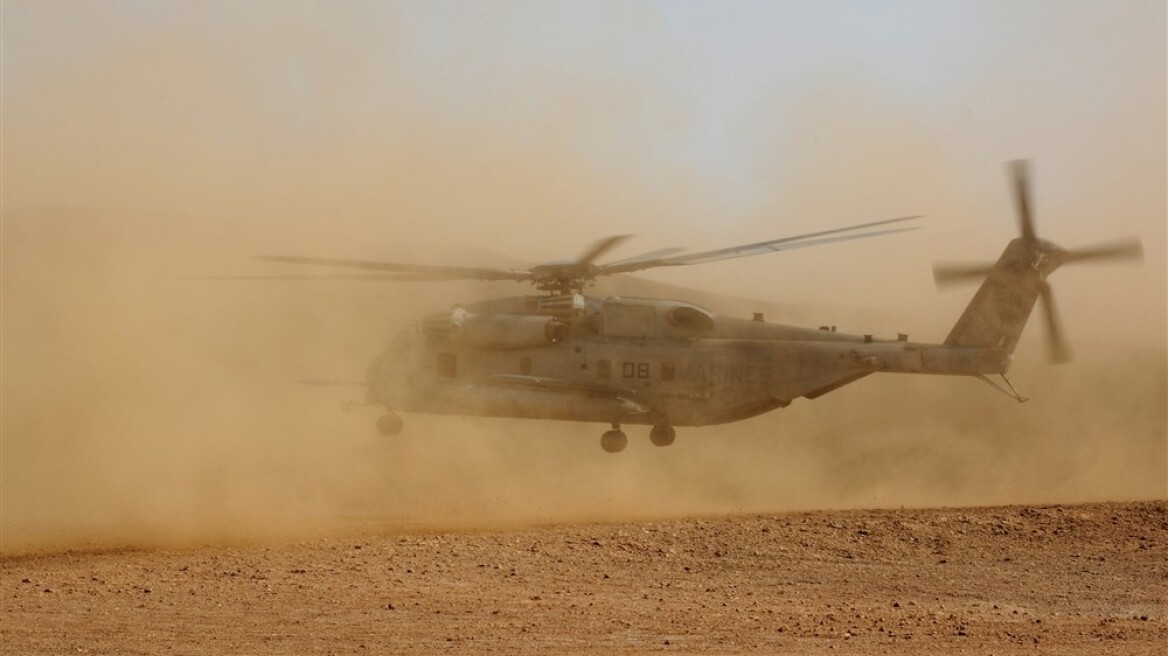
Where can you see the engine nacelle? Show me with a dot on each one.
(506, 332)
(644, 318)
(693, 321)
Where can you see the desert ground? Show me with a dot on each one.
(1063, 579)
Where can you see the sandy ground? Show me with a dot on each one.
(1084, 579)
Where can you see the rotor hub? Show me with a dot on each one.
(1048, 257)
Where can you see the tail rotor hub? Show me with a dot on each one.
(1048, 257)
(1042, 256)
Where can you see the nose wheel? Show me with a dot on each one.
(389, 424)
(614, 441)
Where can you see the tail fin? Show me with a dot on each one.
(998, 312)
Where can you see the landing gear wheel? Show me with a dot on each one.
(662, 435)
(614, 441)
(389, 424)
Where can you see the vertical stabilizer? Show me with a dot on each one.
(998, 312)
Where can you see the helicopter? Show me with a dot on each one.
(663, 363)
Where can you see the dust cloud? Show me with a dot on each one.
(143, 407)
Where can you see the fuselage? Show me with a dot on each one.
(634, 361)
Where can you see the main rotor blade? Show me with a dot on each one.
(360, 277)
(951, 274)
(599, 248)
(747, 250)
(651, 255)
(422, 271)
(1056, 346)
(1131, 249)
(1020, 172)
(332, 383)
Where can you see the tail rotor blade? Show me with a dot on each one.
(954, 274)
(1057, 349)
(1020, 173)
(1131, 249)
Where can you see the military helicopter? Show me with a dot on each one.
(666, 363)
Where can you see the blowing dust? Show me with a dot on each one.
(143, 406)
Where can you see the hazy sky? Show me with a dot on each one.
(688, 123)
